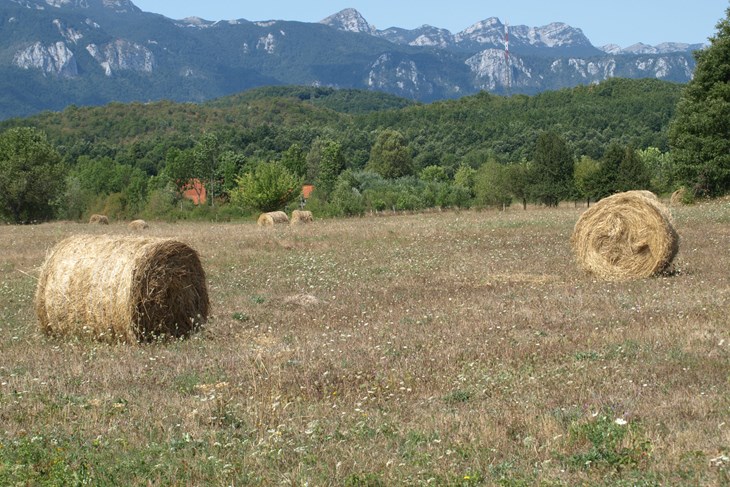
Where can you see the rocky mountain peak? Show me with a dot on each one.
(349, 20)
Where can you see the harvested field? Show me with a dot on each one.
(438, 349)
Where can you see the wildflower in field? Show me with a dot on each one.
(620, 421)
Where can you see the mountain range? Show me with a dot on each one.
(54, 53)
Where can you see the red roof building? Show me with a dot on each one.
(195, 191)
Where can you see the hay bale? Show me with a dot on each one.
(272, 218)
(678, 197)
(138, 225)
(301, 216)
(99, 220)
(625, 236)
(121, 288)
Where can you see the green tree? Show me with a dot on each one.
(699, 135)
(621, 169)
(433, 174)
(206, 159)
(295, 160)
(660, 167)
(552, 169)
(607, 180)
(331, 164)
(180, 168)
(346, 199)
(632, 171)
(586, 170)
(465, 178)
(520, 181)
(269, 187)
(390, 155)
(31, 175)
(231, 165)
(492, 186)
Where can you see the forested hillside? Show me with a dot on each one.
(363, 150)
(265, 122)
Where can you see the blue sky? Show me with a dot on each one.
(622, 22)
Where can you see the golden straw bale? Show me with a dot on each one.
(625, 236)
(138, 225)
(272, 218)
(301, 216)
(99, 220)
(121, 288)
(677, 197)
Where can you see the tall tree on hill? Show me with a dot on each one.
(553, 163)
(31, 175)
(699, 136)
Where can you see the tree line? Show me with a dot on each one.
(369, 152)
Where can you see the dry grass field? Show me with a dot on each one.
(454, 348)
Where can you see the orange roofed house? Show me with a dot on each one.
(195, 191)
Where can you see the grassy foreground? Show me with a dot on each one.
(433, 349)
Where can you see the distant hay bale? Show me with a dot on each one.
(138, 225)
(678, 197)
(99, 220)
(301, 216)
(272, 218)
(625, 236)
(121, 288)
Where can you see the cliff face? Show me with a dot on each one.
(54, 59)
(111, 46)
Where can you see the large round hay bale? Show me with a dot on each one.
(138, 225)
(301, 216)
(272, 218)
(121, 288)
(99, 220)
(625, 236)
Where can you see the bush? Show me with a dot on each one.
(270, 187)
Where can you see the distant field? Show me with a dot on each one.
(454, 348)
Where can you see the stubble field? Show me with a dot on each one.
(447, 348)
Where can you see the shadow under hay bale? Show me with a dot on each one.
(301, 216)
(138, 225)
(625, 236)
(121, 289)
(272, 218)
(99, 220)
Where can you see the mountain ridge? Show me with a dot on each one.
(96, 51)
